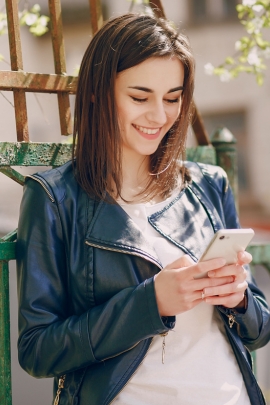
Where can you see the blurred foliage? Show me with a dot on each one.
(252, 49)
(143, 6)
(31, 18)
(37, 23)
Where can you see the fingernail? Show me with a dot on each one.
(223, 262)
(242, 254)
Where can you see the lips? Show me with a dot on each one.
(148, 133)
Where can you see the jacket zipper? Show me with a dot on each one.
(61, 382)
(231, 320)
(118, 354)
(43, 185)
(163, 335)
(62, 378)
(132, 374)
(124, 251)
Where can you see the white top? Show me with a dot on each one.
(200, 367)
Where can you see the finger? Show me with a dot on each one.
(230, 288)
(228, 301)
(200, 284)
(244, 257)
(233, 270)
(206, 266)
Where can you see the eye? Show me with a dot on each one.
(138, 100)
(174, 100)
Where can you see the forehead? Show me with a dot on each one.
(154, 73)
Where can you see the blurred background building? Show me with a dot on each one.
(240, 105)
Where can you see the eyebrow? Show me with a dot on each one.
(147, 90)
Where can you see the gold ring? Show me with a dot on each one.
(202, 296)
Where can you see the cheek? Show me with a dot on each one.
(174, 113)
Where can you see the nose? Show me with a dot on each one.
(156, 114)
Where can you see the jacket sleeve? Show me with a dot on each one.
(253, 326)
(52, 340)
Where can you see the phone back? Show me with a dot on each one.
(227, 243)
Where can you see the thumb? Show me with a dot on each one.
(244, 257)
(183, 261)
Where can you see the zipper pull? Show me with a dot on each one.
(231, 320)
(60, 387)
(163, 346)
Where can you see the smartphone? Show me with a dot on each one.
(227, 243)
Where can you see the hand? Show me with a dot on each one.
(176, 289)
(229, 295)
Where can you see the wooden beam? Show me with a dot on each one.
(60, 64)
(95, 15)
(17, 64)
(37, 82)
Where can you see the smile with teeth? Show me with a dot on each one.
(147, 130)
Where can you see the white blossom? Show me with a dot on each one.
(238, 45)
(225, 76)
(209, 69)
(253, 57)
(258, 8)
(43, 21)
(252, 3)
(258, 23)
(248, 3)
(30, 19)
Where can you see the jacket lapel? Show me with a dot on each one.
(111, 228)
(186, 223)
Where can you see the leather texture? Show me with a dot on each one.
(87, 304)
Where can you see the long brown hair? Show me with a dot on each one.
(124, 42)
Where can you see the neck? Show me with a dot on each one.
(135, 175)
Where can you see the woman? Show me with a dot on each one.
(107, 264)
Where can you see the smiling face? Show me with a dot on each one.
(148, 100)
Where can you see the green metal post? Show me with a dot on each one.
(225, 145)
(5, 368)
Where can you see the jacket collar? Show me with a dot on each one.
(111, 228)
(188, 222)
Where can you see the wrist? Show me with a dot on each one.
(242, 306)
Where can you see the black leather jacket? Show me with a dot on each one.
(87, 306)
